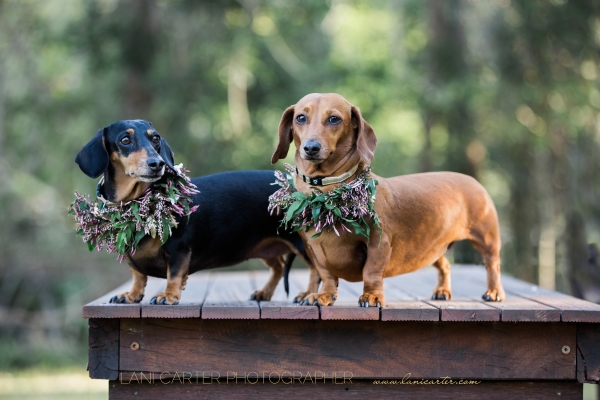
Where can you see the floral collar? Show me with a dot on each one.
(119, 227)
(346, 207)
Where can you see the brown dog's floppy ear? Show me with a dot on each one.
(93, 158)
(366, 141)
(285, 135)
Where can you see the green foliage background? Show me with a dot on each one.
(506, 91)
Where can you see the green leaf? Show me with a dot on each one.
(138, 236)
(299, 196)
(294, 209)
(315, 213)
(316, 235)
(90, 246)
(135, 209)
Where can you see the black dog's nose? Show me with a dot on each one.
(155, 164)
(312, 147)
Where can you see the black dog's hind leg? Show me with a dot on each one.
(136, 293)
(177, 271)
(276, 265)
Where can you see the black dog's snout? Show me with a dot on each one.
(312, 147)
(155, 164)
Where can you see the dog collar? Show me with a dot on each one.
(317, 181)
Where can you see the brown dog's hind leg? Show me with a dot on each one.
(491, 256)
(276, 265)
(442, 291)
(136, 293)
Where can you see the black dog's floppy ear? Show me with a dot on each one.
(285, 135)
(366, 141)
(93, 158)
(166, 153)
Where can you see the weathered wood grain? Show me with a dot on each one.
(420, 284)
(403, 307)
(368, 349)
(513, 309)
(190, 304)
(101, 308)
(227, 297)
(281, 306)
(572, 309)
(351, 389)
(103, 348)
(588, 353)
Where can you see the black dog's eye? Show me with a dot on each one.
(126, 140)
(301, 119)
(334, 120)
(155, 139)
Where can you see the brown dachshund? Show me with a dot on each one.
(421, 214)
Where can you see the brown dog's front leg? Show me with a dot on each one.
(177, 270)
(328, 293)
(313, 283)
(378, 258)
(136, 293)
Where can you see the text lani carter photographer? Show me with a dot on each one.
(265, 377)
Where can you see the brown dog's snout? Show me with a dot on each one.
(311, 147)
(155, 164)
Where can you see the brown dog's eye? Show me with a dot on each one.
(125, 140)
(334, 120)
(301, 119)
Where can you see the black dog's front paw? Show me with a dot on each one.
(126, 298)
(164, 299)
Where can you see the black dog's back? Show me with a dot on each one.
(231, 221)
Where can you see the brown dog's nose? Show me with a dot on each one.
(312, 147)
(155, 164)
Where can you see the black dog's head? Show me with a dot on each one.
(132, 147)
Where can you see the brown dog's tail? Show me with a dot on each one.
(286, 272)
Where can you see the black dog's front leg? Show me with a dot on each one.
(136, 293)
(177, 270)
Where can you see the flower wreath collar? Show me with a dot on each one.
(346, 207)
(119, 227)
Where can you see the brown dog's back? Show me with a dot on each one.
(429, 212)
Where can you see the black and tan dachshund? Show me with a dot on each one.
(231, 225)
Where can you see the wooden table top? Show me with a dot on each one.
(224, 295)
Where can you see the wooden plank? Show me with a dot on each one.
(346, 306)
(227, 297)
(101, 308)
(572, 309)
(367, 349)
(460, 308)
(281, 306)
(103, 348)
(513, 309)
(403, 307)
(300, 386)
(190, 304)
(588, 353)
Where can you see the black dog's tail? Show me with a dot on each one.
(286, 272)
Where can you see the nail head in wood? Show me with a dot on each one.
(134, 346)
(566, 349)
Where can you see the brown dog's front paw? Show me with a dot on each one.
(370, 300)
(442, 294)
(494, 295)
(165, 299)
(319, 299)
(127, 298)
(260, 295)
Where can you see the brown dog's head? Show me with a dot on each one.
(325, 128)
